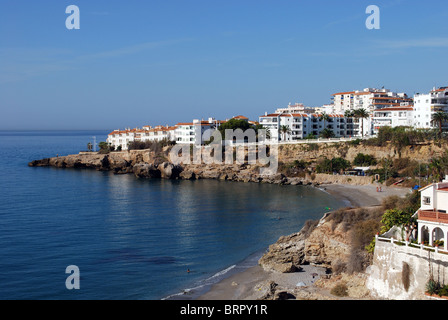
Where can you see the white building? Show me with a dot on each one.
(326, 108)
(300, 125)
(432, 215)
(197, 131)
(295, 108)
(122, 138)
(392, 117)
(370, 99)
(425, 105)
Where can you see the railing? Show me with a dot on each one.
(434, 216)
(421, 246)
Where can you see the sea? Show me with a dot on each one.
(130, 238)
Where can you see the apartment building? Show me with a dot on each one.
(194, 132)
(370, 99)
(122, 138)
(299, 125)
(425, 105)
(392, 117)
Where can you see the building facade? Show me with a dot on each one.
(432, 215)
(392, 117)
(426, 105)
(371, 100)
(284, 127)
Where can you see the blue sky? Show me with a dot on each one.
(134, 63)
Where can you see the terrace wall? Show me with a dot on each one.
(386, 273)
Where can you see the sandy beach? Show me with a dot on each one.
(251, 284)
(363, 195)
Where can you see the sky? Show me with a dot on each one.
(135, 63)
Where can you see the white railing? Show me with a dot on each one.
(409, 244)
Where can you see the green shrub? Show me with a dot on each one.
(432, 286)
(364, 160)
(334, 165)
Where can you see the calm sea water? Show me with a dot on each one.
(130, 238)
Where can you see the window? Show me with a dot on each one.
(427, 200)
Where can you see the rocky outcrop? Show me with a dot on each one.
(322, 246)
(286, 255)
(145, 165)
(146, 170)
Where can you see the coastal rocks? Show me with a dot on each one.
(286, 255)
(146, 170)
(187, 175)
(40, 163)
(165, 170)
(322, 246)
(169, 170)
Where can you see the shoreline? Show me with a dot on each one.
(249, 284)
(253, 281)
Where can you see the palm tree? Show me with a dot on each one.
(349, 114)
(439, 117)
(327, 133)
(361, 114)
(325, 117)
(284, 130)
(266, 130)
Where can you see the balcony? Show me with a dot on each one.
(433, 216)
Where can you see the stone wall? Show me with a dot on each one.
(386, 277)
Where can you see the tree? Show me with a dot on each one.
(284, 130)
(261, 127)
(310, 136)
(439, 117)
(104, 147)
(334, 165)
(325, 117)
(395, 217)
(349, 114)
(362, 159)
(327, 133)
(361, 114)
(233, 124)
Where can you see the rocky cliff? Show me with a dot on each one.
(312, 152)
(321, 245)
(147, 164)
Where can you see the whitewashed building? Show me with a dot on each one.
(392, 117)
(122, 138)
(432, 215)
(295, 108)
(300, 125)
(425, 105)
(198, 131)
(370, 99)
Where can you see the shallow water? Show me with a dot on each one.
(130, 238)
